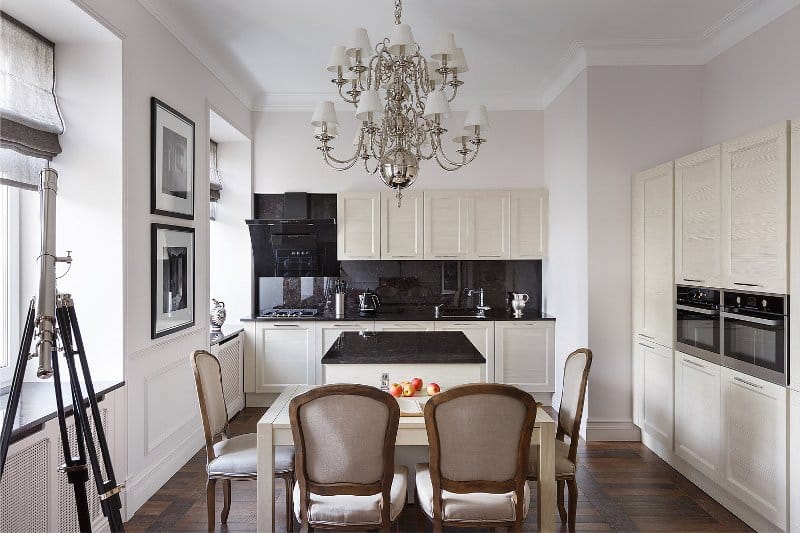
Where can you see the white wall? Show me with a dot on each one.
(565, 277)
(286, 158)
(755, 83)
(637, 117)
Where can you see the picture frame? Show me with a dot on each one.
(172, 161)
(172, 279)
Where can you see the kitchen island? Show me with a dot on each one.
(444, 357)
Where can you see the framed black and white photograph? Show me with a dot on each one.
(171, 162)
(172, 279)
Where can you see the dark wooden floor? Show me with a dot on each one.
(623, 487)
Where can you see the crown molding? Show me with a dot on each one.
(243, 94)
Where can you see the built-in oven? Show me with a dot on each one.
(697, 322)
(756, 335)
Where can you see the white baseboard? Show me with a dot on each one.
(143, 485)
(612, 430)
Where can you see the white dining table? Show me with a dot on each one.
(274, 429)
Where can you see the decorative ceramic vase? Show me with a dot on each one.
(218, 315)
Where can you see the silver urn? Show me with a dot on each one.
(218, 315)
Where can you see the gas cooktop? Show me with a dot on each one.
(288, 313)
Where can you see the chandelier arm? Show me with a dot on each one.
(333, 162)
(455, 92)
(466, 160)
(354, 102)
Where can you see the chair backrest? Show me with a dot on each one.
(479, 437)
(573, 396)
(344, 438)
(213, 411)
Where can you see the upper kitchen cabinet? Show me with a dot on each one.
(489, 220)
(755, 179)
(401, 226)
(528, 224)
(698, 219)
(446, 224)
(358, 228)
(652, 251)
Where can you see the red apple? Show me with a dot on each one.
(433, 389)
(395, 390)
(409, 390)
(417, 383)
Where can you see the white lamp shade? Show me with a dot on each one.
(333, 131)
(324, 114)
(401, 36)
(477, 116)
(369, 102)
(436, 103)
(458, 61)
(445, 46)
(338, 59)
(359, 40)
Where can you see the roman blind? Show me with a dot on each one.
(30, 121)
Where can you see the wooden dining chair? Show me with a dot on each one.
(230, 458)
(570, 413)
(479, 438)
(344, 438)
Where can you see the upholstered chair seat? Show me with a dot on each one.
(237, 456)
(470, 507)
(564, 465)
(354, 511)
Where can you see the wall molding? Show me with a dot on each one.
(612, 430)
(152, 442)
(143, 352)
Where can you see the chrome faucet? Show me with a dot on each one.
(437, 310)
(481, 307)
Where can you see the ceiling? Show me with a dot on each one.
(521, 53)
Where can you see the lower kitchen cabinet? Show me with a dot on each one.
(754, 443)
(481, 334)
(794, 460)
(420, 325)
(698, 415)
(657, 404)
(230, 354)
(524, 355)
(638, 380)
(284, 355)
(326, 335)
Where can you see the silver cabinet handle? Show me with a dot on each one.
(740, 380)
(694, 280)
(753, 319)
(697, 309)
(748, 284)
(647, 346)
(695, 363)
(285, 326)
(646, 336)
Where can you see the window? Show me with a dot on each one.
(9, 281)
(215, 178)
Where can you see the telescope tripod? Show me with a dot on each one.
(75, 467)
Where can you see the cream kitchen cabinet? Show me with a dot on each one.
(652, 253)
(794, 460)
(657, 393)
(755, 210)
(524, 355)
(284, 355)
(326, 335)
(358, 225)
(698, 219)
(529, 224)
(419, 325)
(488, 236)
(698, 416)
(754, 443)
(637, 367)
(401, 227)
(446, 224)
(480, 334)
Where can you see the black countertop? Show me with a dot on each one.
(413, 314)
(37, 404)
(403, 347)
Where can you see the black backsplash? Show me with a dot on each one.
(404, 283)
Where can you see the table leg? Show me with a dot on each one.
(265, 485)
(546, 482)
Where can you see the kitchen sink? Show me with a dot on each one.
(461, 313)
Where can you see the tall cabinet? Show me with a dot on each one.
(401, 225)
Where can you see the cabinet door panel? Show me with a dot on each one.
(401, 227)
(794, 459)
(698, 219)
(481, 335)
(358, 225)
(524, 355)
(638, 380)
(284, 356)
(698, 413)
(445, 224)
(489, 214)
(754, 443)
(528, 225)
(755, 198)
(657, 413)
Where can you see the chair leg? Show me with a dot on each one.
(562, 511)
(226, 506)
(289, 503)
(572, 485)
(211, 485)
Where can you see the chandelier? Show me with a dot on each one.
(400, 98)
